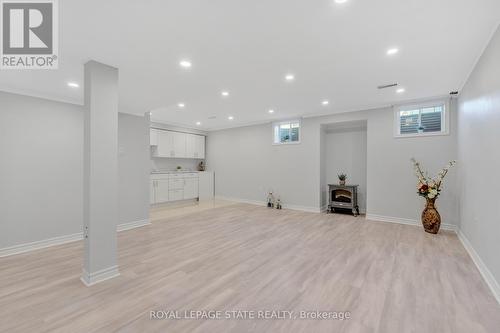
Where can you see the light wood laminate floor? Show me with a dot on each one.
(392, 278)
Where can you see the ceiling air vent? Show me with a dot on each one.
(387, 86)
(212, 117)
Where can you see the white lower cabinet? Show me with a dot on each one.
(173, 187)
(190, 188)
(174, 195)
(206, 185)
(162, 190)
(176, 184)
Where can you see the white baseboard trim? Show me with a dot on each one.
(400, 220)
(27, 247)
(476, 259)
(303, 208)
(239, 200)
(90, 279)
(263, 203)
(132, 225)
(481, 266)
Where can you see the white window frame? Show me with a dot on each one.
(445, 118)
(278, 123)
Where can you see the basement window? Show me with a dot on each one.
(421, 120)
(286, 132)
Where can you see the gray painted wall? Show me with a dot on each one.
(322, 168)
(391, 184)
(246, 165)
(133, 168)
(41, 169)
(346, 153)
(479, 158)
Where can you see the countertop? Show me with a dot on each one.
(159, 172)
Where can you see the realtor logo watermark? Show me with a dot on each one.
(29, 36)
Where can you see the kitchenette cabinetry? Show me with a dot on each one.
(174, 186)
(177, 144)
(153, 137)
(191, 188)
(206, 185)
(162, 190)
(159, 188)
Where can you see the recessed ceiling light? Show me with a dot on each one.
(225, 93)
(392, 51)
(271, 111)
(73, 85)
(400, 90)
(230, 117)
(185, 63)
(290, 77)
(181, 105)
(325, 102)
(340, 1)
(198, 123)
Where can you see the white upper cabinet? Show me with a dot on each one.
(153, 137)
(190, 146)
(195, 146)
(165, 146)
(177, 144)
(199, 151)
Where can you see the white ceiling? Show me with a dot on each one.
(336, 52)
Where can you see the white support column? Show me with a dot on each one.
(100, 173)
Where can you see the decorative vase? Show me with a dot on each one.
(431, 219)
(342, 182)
